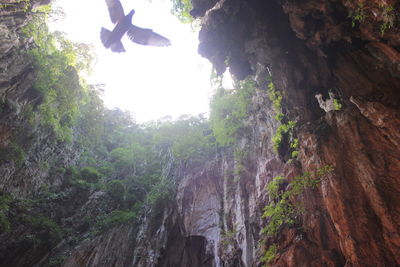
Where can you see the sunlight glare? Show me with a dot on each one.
(150, 82)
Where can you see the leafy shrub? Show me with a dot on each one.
(276, 99)
(283, 129)
(388, 15)
(44, 227)
(269, 255)
(91, 120)
(358, 15)
(160, 194)
(116, 217)
(286, 130)
(13, 152)
(189, 137)
(122, 157)
(337, 105)
(181, 9)
(239, 156)
(58, 62)
(4, 207)
(294, 147)
(116, 189)
(280, 210)
(229, 108)
(90, 174)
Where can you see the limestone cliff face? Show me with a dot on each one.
(310, 47)
(224, 202)
(350, 48)
(17, 91)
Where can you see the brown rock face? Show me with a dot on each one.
(367, 223)
(310, 47)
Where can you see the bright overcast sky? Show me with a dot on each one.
(151, 82)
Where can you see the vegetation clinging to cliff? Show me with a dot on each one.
(229, 108)
(281, 210)
(57, 63)
(284, 138)
(181, 9)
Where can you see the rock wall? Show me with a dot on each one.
(17, 92)
(350, 48)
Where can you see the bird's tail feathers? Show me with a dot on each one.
(117, 47)
(104, 35)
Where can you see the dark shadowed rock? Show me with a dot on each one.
(200, 7)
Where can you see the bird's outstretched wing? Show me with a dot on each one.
(116, 10)
(146, 37)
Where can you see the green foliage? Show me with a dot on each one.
(269, 255)
(239, 156)
(13, 152)
(228, 237)
(44, 165)
(227, 61)
(5, 202)
(160, 194)
(283, 129)
(229, 108)
(122, 156)
(384, 27)
(58, 62)
(90, 174)
(216, 80)
(358, 15)
(44, 227)
(181, 9)
(273, 186)
(276, 99)
(294, 146)
(280, 210)
(279, 213)
(116, 217)
(134, 156)
(90, 121)
(337, 105)
(58, 261)
(137, 159)
(116, 189)
(29, 115)
(86, 179)
(16, 6)
(388, 15)
(188, 137)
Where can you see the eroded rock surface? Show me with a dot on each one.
(312, 47)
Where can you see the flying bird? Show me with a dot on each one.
(112, 39)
